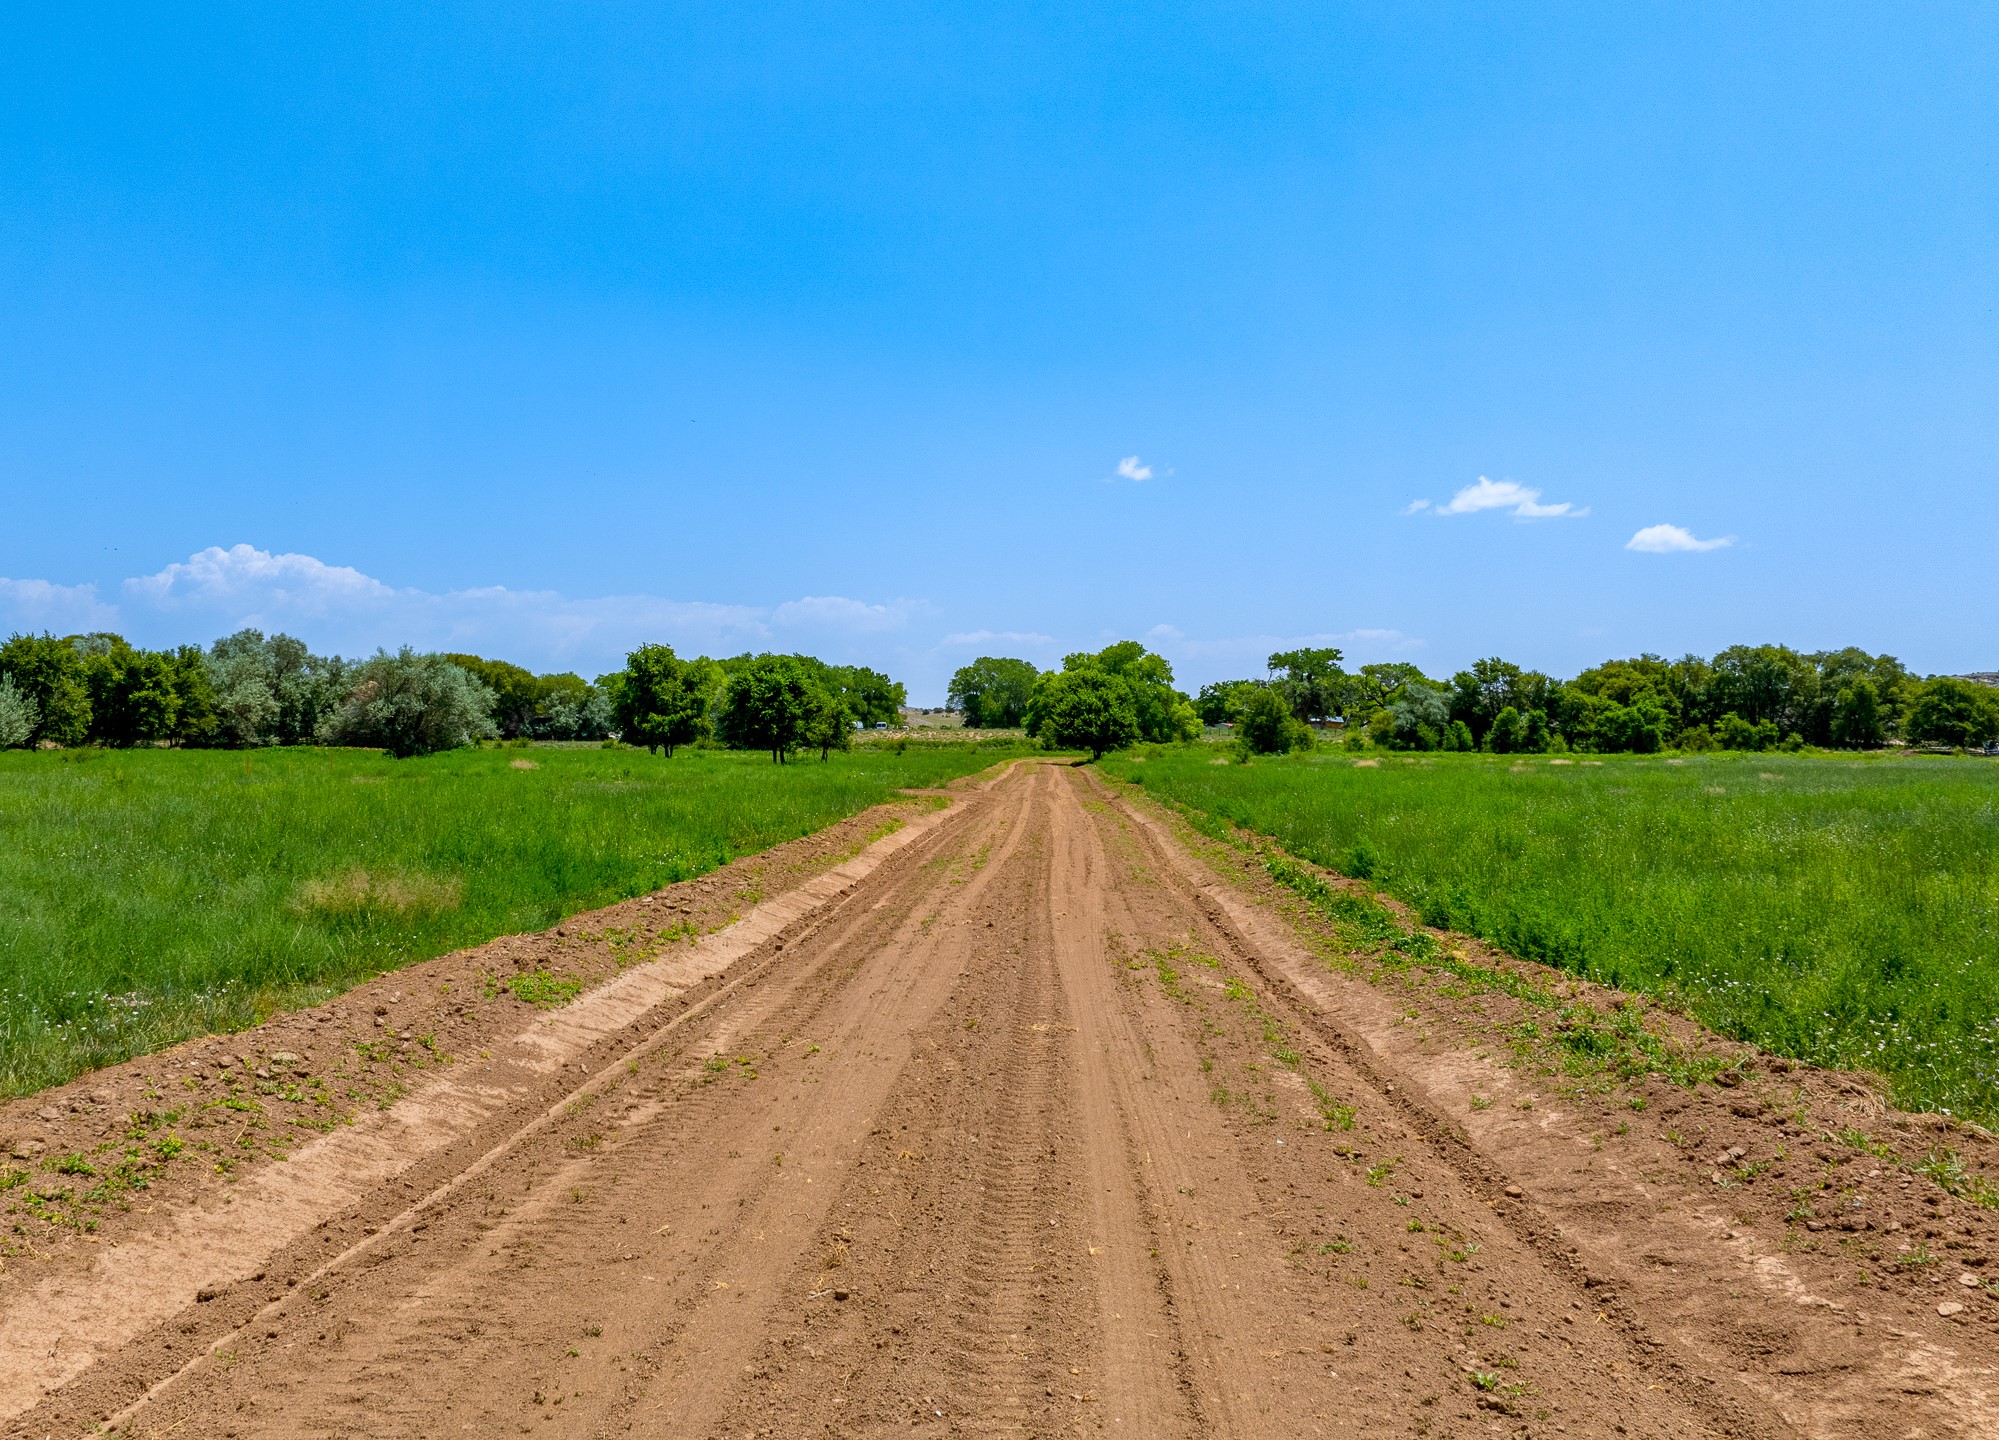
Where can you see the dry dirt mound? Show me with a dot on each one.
(1038, 1116)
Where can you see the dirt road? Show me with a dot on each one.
(1031, 1126)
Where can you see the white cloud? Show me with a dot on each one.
(1130, 469)
(837, 612)
(1415, 507)
(1166, 632)
(970, 639)
(1673, 540)
(298, 584)
(337, 608)
(42, 605)
(1522, 501)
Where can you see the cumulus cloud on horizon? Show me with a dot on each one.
(1673, 540)
(1522, 501)
(338, 608)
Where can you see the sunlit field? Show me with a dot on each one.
(1838, 909)
(148, 895)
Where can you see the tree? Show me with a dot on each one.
(828, 724)
(869, 695)
(1421, 712)
(1268, 726)
(49, 673)
(1220, 702)
(1857, 722)
(992, 692)
(1310, 681)
(1085, 708)
(410, 704)
(1163, 713)
(1949, 711)
(659, 700)
(272, 690)
(517, 693)
(764, 706)
(1504, 735)
(18, 715)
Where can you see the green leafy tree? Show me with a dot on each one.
(1221, 702)
(765, 705)
(272, 690)
(1163, 713)
(1949, 711)
(829, 725)
(1857, 719)
(1084, 708)
(1310, 681)
(1489, 686)
(410, 704)
(195, 720)
(1268, 726)
(49, 672)
(18, 715)
(993, 692)
(659, 700)
(517, 693)
(1420, 715)
(1505, 734)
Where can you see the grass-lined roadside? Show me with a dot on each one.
(1841, 910)
(146, 896)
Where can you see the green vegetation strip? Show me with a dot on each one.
(147, 896)
(1840, 910)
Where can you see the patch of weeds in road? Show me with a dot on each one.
(1332, 1113)
(1379, 1174)
(543, 989)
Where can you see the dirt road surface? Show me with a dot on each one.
(1028, 1121)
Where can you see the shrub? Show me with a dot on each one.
(410, 704)
(18, 715)
(1732, 732)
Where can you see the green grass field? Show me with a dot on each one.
(1842, 910)
(146, 896)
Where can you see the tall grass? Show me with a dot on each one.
(1842, 910)
(146, 896)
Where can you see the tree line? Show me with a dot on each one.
(1747, 697)
(249, 689)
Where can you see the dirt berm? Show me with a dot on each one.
(1038, 1115)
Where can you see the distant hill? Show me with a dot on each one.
(1983, 677)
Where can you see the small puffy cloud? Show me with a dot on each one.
(1130, 468)
(1673, 540)
(44, 605)
(1415, 507)
(1521, 501)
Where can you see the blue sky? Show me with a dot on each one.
(543, 330)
